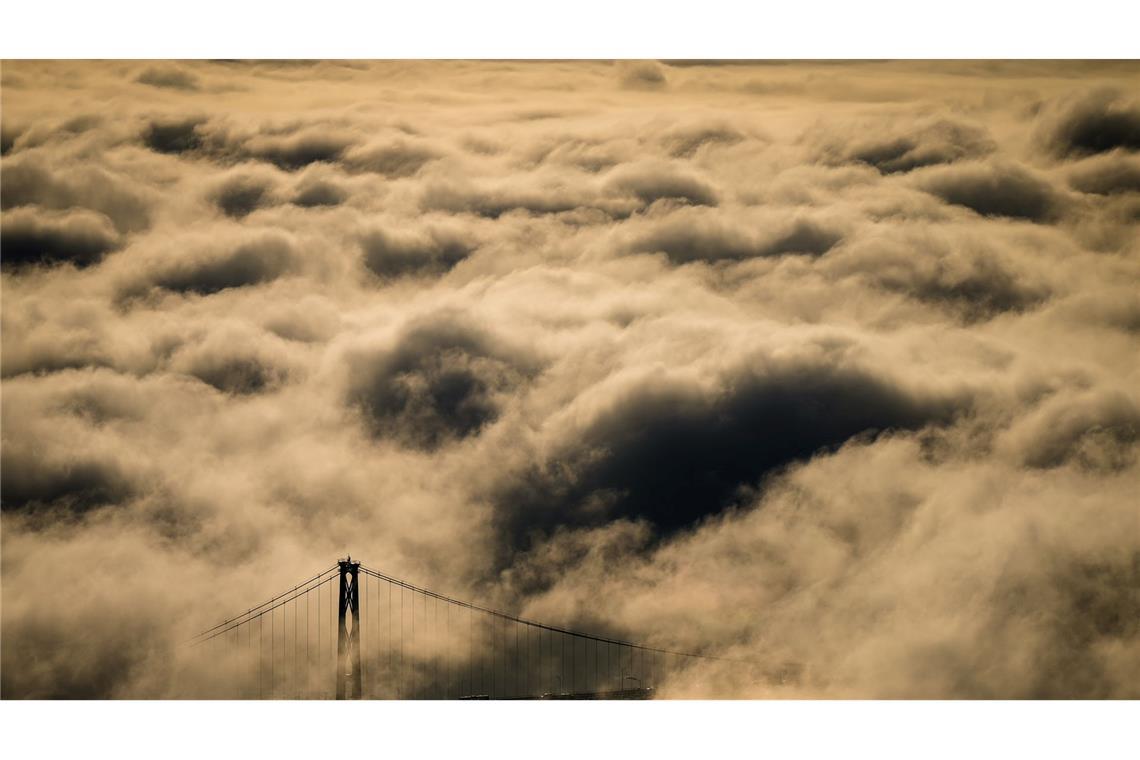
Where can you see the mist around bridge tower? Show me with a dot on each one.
(825, 372)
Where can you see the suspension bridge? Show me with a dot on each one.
(351, 632)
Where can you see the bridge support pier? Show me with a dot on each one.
(348, 675)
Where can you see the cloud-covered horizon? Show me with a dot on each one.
(833, 368)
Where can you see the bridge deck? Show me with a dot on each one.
(613, 694)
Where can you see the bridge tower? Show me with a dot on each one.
(348, 676)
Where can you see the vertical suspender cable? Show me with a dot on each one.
(308, 660)
(272, 649)
(400, 665)
(435, 641)
(391, 673)
(319, 652)
(447, 655)
(296, 680)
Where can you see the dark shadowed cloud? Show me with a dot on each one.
(687, 236)
(76, 485)
(312, 193)
(894, 147)
(1095, 123)
(441, 380)
(430, 251)
(173, 136)
(242, 193)
(995, 190)
(31, 236)
(211, 268)
(298, 149)
(672, 454)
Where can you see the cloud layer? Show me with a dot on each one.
(833, 369)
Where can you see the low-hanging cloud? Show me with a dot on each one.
(830, 368)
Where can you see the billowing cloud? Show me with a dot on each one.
(169, 77)
(686, 141)
(211, 266)
(1107, 175)
(244, 191)
(173, 135)
(396, 157)
(964, 275)
(642, 75)
(902, 147)
(831, 368)
(30, 236)
(314, 191)
(297, 149)
(1096, 430)
(689, 235)
(434, 250)
(33, 182)
(441, 380)
(235, 360)
(653, 182)
(994, 190)
(1095, 123)
(671, 452)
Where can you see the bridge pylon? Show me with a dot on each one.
(348, 674)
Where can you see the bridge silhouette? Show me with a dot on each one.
(351, 632)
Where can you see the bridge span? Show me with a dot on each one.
(352, 632)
